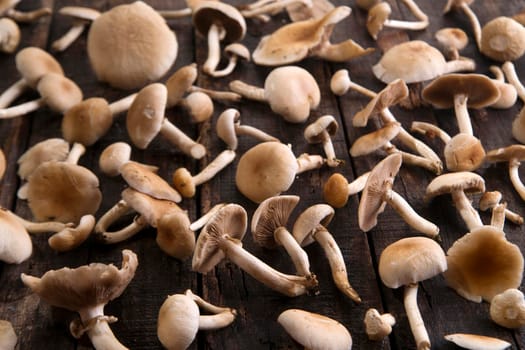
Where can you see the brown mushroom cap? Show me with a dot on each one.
(174, 235)
(335, 190)
(183, 182)
(16, 244)
(482, 264)
(266, 170)
(87, 121)
(464, 152)
(454, 38)
(113, 157)
(219, 13)
(33, 63)
(131, 45)
(309, 221)
(59, 92)
(506, 154)
(503, 39)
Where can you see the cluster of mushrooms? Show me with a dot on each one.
(131, 47)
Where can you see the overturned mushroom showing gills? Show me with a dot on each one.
(508, 308)
(477, 342)
(406, 263)
(315, 331)
(86, 290)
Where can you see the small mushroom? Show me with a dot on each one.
(269, 168)
(179, 319)
(453, 40)
(310, 227)
(234, 52)
(86, 290)
(477, 342)
(291, 92)
(490, 199)
(9, 35)
(378, 326)
(82, 16)
(114, 156)
(514, 155)
(508, 308)
(315, 331)
(502, 39)
(378, 18)
(508, 93)
(8, 338)
(406, 263)
(337, 189)
(7, 8)
(378, 192)
(320, 131)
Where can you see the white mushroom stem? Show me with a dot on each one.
(232, 63)
(248, 91)
(465, 209)
(214, 167)
(22, 109)
(358, 184)
(173, 14)
(498, 216)
(43, 227)
(430, 130)
(122, 105)
(220, 96)
(416, 11)
(12, 93)
(199, 223)
(498, 73)
(29, 16)
(75, 153)
(308, 162)
(70, 36)
(223, 316)
(289, 285)
(299, 257)
(417, 325)
(462, 116)
(510, 72)
(514, 175)
(414, 160)
(178, 138)
(271, 7)
(96, 325)
(474, 22)
(113, 214)
(336, 261)
(215, 34)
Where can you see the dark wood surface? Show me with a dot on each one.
(40, 326)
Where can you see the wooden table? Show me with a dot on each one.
(40, 326)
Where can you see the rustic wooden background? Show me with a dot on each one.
(40, 326)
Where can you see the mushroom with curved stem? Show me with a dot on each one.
(510, 73)
(146, 119)
(297, 40)
(378, 192)
(407, 262)
(8, 338)
(269, 230)
(228, 127)
(458, 185)
(32, 63)
(514, 155)
(483, 263)
(490, 199)
(186, 184)
(179, 319)
(310, 227)
(320, 131)
(378, 18)
(86, 290)
(463, 5)
(9, 35)
(269, 168)
(221, 238)
(508, 93)
(337, 189)
(7, 8)
(315, 331)
(291, 92)
(378, 326)
(477, 342)
(508, 308)
(453, 40)
(82, 16)
(234, 52)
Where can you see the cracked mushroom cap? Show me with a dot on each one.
(60, 93)
(506, 154)
(411, 260)
(315, 331)
(503, 39)
(231, 221)
(85, 287)
(51, 149)
(33, 63)
(178, 321)
(60, 191)
(130, 46)
(221, 14)
(271, 214)
(466, 181)
(87, 121)
(266, 170)
(508, 308)
(372, 203)
(309, 220)
(482, 264)
(16, 245)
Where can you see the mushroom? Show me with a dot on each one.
(453, 40)
(508, 93)
(186, 184)
(310, 227)
(510, 73)
(508, 308)
(130, 46)
(229, 126)
(514, 155)
(378, 192)
(378, 18)
(16, 243)
(337, 189)
(407, 262)
(483, 263)
(8, 338)
(502, 39)
(221, 238)
(477, 342)
(269, 230)
(86, 290)
(458, 184)
(491, 199)
(297, 40)
(315, 331)
(7, 8)
(269, 168)
(234, 52)
(32, 63)
(114, 156)
(291, 92)
(82, 16)
(145, 120)
(378, 326)
(9, 35)
(3, 164)
(199, 106)
(179, 319)
(321, 131)
(463, 5)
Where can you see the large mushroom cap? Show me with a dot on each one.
(411, 260)
(315, 331)
(87, 121)
(16, 245)
(33, 63)
(266, 170)
(483, 263)
(84, 287)
(178, 321)
(131, 45)
(221, 14)
(503, 39)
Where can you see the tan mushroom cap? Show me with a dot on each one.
(174, 235)
(335, 190)
(87, 121)
(131, 45)
(266, 170)
(60, 191)
(271, 214)
(3, 164)
(315, 331)
(483, 264)
(113, 157)
(464, 152)
(465, 181)
(8, 338)
(33, 63)
(16, 243)
(178, 321)
(225, 127)
(84, 287)
(503, 39)
(180, 82)
(231, 220)
(411, 260)
(454, 38)
(219, 13)
(60, 93)
(51, 149)
(377, 16)
(309, 221)
(508, 308)
(10, 32)
(375, 140)
(480, 89)
(151, 208)
(506, 154)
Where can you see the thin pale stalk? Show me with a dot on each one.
(417, 325)
(294, 250)
(430, 130)
(214, 167)
(69, 37)
(465, 209)
(397, 24)
(182, 141)
(216, 95)
(199, 223)
(416, 11)
(462, 116)
(22, 109)
(75, 153)
(272, 7)
(254, 132)
(121, 105)
(214, 49)
(358, 184)
(512, 77)
(12, 93)
(474, 22)
(515, 178)
(232, 63)
(30, 16)
(173, 14)
(498, 216)
(309, 162)
(102, 336)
